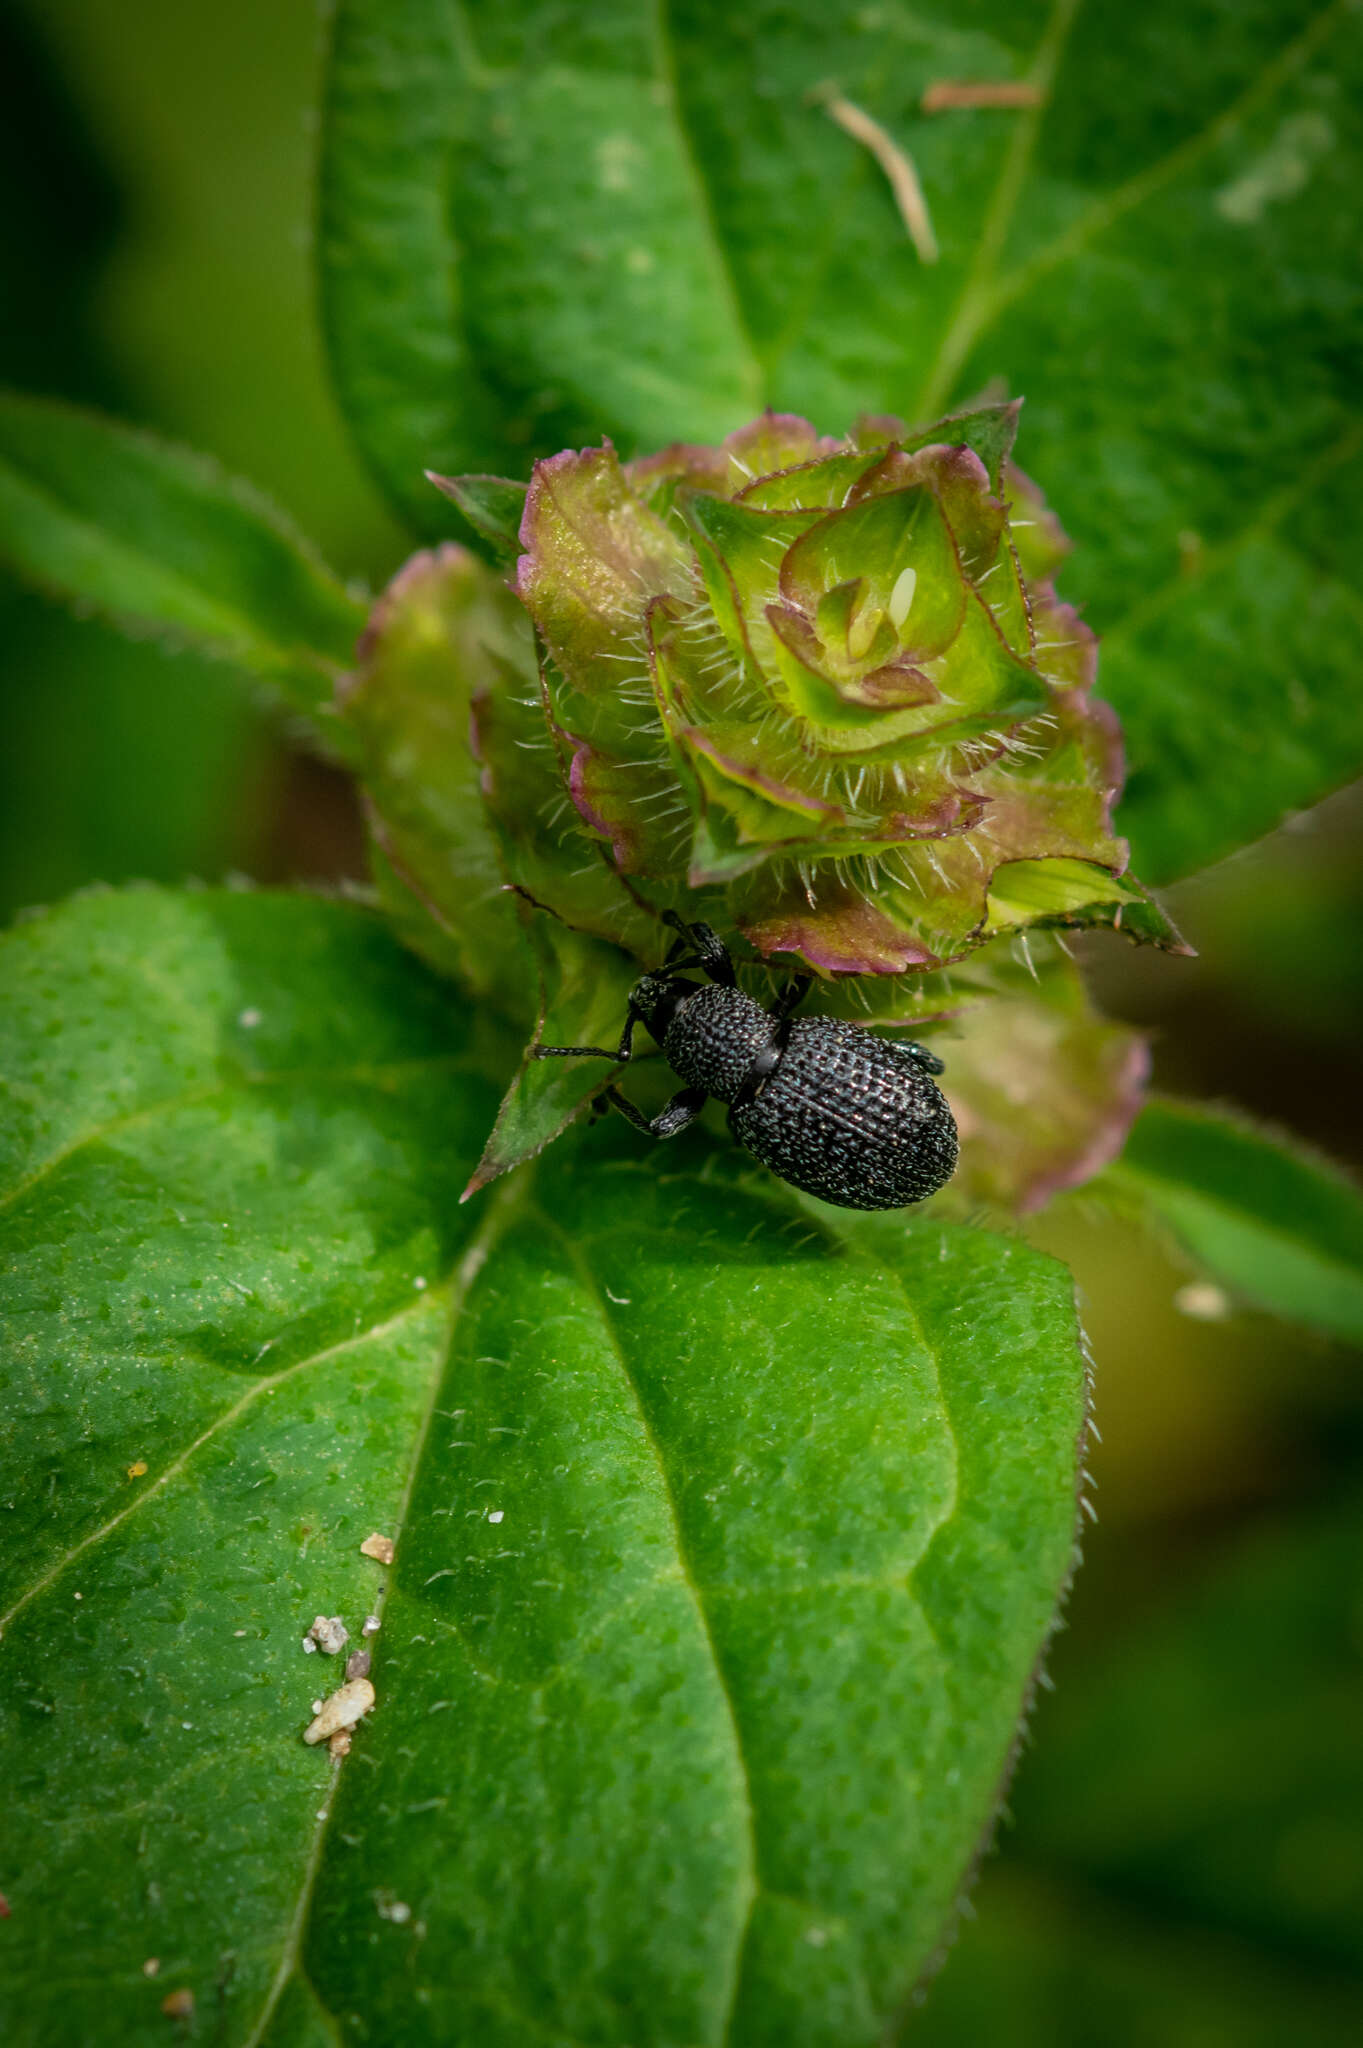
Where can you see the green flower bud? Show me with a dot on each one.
(828, 685)
(821, 694)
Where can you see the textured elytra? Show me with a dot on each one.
(852, 1118)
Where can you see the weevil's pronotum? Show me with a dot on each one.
(829, 1106)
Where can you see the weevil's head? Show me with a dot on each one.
(656, 998)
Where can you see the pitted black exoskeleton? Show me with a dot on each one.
(829, 1106)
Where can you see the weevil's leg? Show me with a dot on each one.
(920, 1056)
(706, 950)
(673, 1117)
(623, 1051)
(791, 996)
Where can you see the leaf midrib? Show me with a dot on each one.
(510, 1198)
(748, 1888)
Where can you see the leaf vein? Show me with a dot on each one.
(748, 1883)
(219, 1422)
(1104, 212)
(192, 1098)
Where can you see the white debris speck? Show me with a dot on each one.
(249, 1019)
(389, 1908)
(347, 1705)
(151, 1966)
(496, 1514)
(238, 1631)
(372, 1625)
(420, 1283)
(378, 1547)
(1283, 170)
(329, 1633)
(186, 1724)
(80, 1596)
(620, 1300)
(1204, 1301)
(317, 1706)
(616, 159)
(309, 1647)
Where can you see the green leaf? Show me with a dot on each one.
(543, 225)
(726, 1539)
(1278, 1226)
(493, 506)
(585, 989)
(160, 541)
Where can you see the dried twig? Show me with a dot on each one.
(946, 93)
(897, 165)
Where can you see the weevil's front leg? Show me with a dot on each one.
(623, 1051)
(684, 1107)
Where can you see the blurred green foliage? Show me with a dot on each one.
(1187, 1867)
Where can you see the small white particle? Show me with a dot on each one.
(321, 1813)
(372, 1625)
(186, 1724)
(1204, 1301)
(241, 1632)
(420, 1283)
(329, 1633)
(496, 1514)
(249, 1019)
(317, 1706)
(620, 1300)
(901, 597)
(309, 1647)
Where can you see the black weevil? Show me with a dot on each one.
(829, 1106)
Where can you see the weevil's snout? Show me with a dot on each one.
(654, 1000)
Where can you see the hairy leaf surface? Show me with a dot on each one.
(727, 1538)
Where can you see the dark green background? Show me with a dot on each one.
(1187, 1866)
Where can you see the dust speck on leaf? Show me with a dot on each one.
(347, 1705)
(151, 1966)
(1283, 170)
(329, 1633)
(378, 1547)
